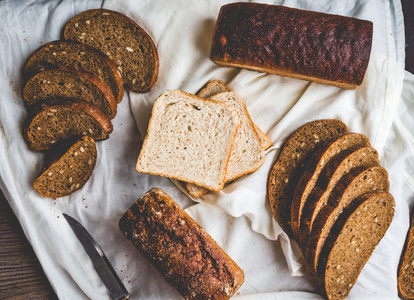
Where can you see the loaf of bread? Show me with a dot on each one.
(319, 47)
(119, 37)
(188, 258)
(405, 280)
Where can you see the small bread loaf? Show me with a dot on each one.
(66, 173)
(60, 85)
(126, 43)
(324, 48)
(57, 123)
(406, 268)
(188, 258)
(190, 139)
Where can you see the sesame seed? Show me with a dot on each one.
(81, 149)
(50, 173)
(129, 49)
(70, 179)
(88, 22)
(76, 24)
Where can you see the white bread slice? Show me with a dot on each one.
(190, 139)
(248, 153)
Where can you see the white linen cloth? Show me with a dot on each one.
(239, 217)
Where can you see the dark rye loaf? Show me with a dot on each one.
(405, 280)
(351, 242)
(57, 123)
(119, 37)
(357, 182)
(290, 164)
(337, 167)
(60, 85)
(314, 168)
(66, 173)
(66, 54)
(324, 48)
(188, 258)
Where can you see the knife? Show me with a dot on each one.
(99, 260)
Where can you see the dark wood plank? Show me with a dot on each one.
(408, 10)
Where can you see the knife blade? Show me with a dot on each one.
(99, 260)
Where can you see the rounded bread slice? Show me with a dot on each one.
(405, 279)
(314, 168)
(57, 123)
(67, 172)
(119, 37)
(72, 54)
(352, 240)
(289, 166)
(60, 85)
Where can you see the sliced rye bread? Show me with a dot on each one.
(60, 85)
(57, 123)
(247, 154)
(66, 54)
(336, 168)
(289, 166)
(189, 139)
(314, 168)
(67, 172)
(405, 279)
(357, 182)
(351, 242)
(119, 37)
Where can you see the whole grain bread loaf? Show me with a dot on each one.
(357, 182)
(189, 139)
(72, 54)
(314, 168)
(188, 258)
(405, 277)
(67, 171)
(351, 242)
(119, 37)
(320, 47)
(290, 164)
(57, 123)
(60, 85)
(336, 168)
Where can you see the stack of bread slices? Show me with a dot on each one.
(328, 191)
(72, 88)
(204, 140)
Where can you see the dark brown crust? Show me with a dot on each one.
(98, 82)
(32, 68)
(324, 48)
(94, 13)
(188, 258)
(289, 166)
(405, 267)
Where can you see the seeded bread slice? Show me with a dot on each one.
(314, 168)
(357, 182)
(63, 84)
(336, 168)
(189, 138)
(69, 172)
(352, 240)
(119, 37)
(289, 166)
(405, 280)
(66, 54)
(57, 123)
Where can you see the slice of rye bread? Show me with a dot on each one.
(67, 172)
(63, 84)
(57, 123)
(336, 168)
(357, 182)
(352, 240)
(247, 154)
(189, 139)
(405, 279)
(315, 166)
(290, 164)
(66, 54)
(119, 37)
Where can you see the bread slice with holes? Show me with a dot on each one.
(190, 139)
(67, 169)
(405, 279)
(119, 37)
(290, 164)
(69, 84)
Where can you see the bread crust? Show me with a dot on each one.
(405, 268)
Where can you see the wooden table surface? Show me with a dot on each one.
(21, 275)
